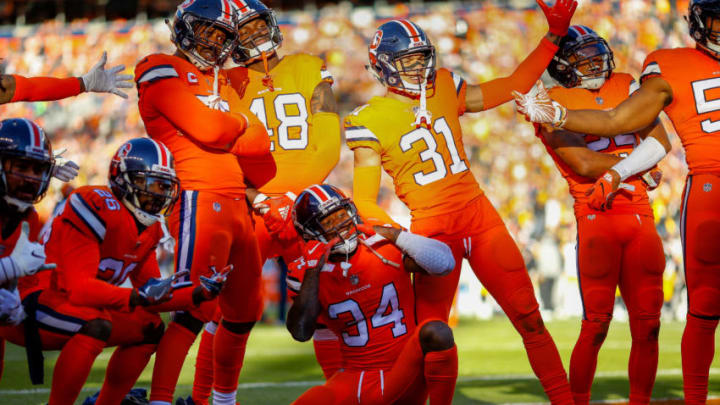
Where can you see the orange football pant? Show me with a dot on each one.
(700, 229)
(618, 251)
(477, 233)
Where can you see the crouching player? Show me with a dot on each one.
(361, 287)
(102, 237)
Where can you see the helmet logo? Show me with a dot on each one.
(125, 150)
(376, 41)
(187, 3)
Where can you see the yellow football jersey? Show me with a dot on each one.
(303, 157)
(429, 167)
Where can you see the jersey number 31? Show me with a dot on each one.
(441, 127)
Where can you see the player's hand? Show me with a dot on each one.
(11, 309)
(64, 170)
(559, 15)
(155, 291)
(538, 107)
(211, 286)
(388, 232)
(652, 178)
(276, 212)
(316, 253)
(99, 80)
(606, 188)
(27, 258)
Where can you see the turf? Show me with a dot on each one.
(493, 367)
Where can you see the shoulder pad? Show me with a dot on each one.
(156, 67)
(94, 208)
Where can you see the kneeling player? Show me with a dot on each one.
(102, 237)
(362, 288)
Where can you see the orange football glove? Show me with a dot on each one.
(652, 178)
(604, 191)
(276, 212)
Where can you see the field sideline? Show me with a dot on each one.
(493, 367)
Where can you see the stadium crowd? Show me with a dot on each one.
(479, 42)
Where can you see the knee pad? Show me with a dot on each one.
(704, 302)
(189, 322)
(238, 328)
(651, 300)
(153, 332)
(436, 336)
(706, 242)
(532, 324)
(646, 330)
(97, 328)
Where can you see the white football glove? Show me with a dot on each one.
(11, 309)
(64, 170)
(99, 80)
(537, 107)
(25, 260)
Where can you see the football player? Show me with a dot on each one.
(357, 279)
(187, 103)
(103, 237)
(26, 166)
(292, 96)
(14, 88)
(414, 134)
(684, 83)
(608, 241)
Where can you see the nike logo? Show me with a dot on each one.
(33, 254)
(313, 249)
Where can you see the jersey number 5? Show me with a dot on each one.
(704, 105)
(282, 102)
(388, 312)
(441, 127)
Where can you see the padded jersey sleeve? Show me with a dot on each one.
(357, 134)
(162, 91)
(651, 66)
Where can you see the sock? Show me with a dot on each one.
(441, 370)
(698, 349)
(224, 398)
(203, 382)
(228, 355)
(583, 361)
(124, 368)
(73, 367)
(169, 359)
(2, 356)
(544, 359)
(327, 353)
(642, 367)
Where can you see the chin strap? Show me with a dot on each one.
(215, 99)
(267, 80)
(22, 206)
(379, 256)
(423, 117)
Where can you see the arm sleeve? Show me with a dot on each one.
(498, 91)
(45, 88)
(214, 128)
(433, 256)
(366, 186)
(80, 258)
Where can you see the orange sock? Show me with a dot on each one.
(698, 349)
(126, 364)
(73, 367)
(327, 353)
(169, 359)
(441, 370)
(203, 382)
(228, 355)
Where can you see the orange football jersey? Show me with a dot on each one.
(429, 167)
(617, 88)
(371, 308)
(303, 157)
(96, 245)
(27, 284)
(199, 166)
(695, 109)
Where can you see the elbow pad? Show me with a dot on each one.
(433, 256)
(644, 157)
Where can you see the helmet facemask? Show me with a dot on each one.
(24, 179)
(257, 34)
(337, 219)
(408, 71)
(205, 42)
(148, 195)
(704, 26)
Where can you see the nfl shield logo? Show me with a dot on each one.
(216, 206)
(707, 187)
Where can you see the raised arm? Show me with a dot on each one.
(421, 254)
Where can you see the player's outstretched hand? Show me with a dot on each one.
(211, 286)
(99, 80)
(155, 291)
(606, 188)
(559, 15)
(538, 107)
(276, 212)
(27, 257)
(64, 170)
(11, 309)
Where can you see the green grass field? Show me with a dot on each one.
(493, 367)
